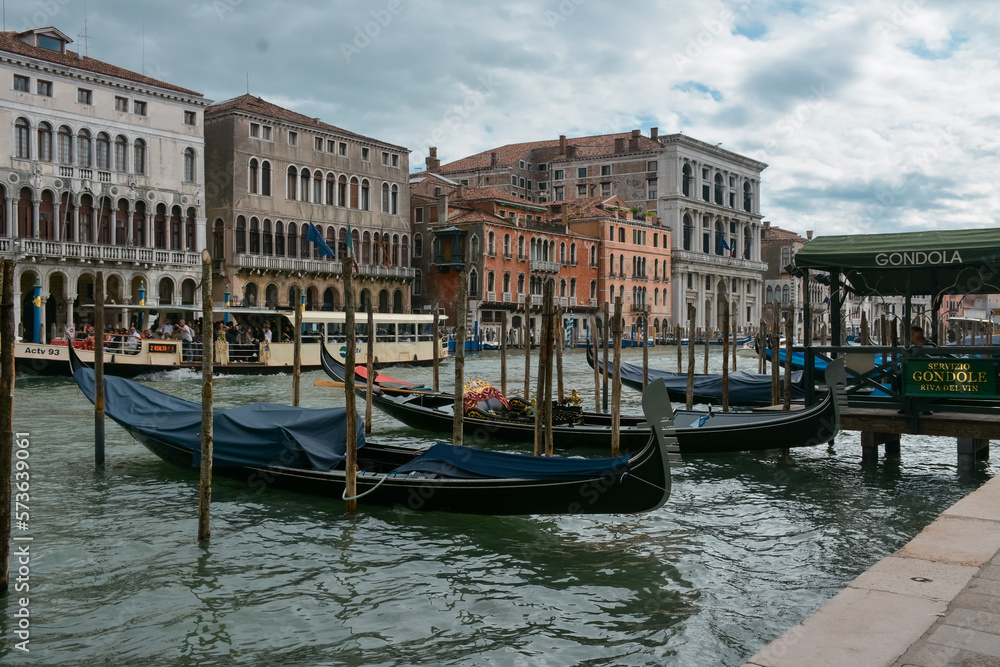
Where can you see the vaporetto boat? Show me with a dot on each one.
(399, 338)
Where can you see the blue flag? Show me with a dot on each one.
(317, 238)
(722, 242)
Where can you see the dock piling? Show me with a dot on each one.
(350, 400)
(370, 369)
(607, 342)
(297, 345)
(616, 388)
(461, 315)
(789, 336)
(503, 354)
(593, 342)
(99, 369)
(645, 351)
(437, 344)
(6, 413)
(207, 398)
(689, 398)
(725, 355)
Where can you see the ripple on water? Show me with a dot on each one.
(748, 545)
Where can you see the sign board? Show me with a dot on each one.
(163, 348)
(951, 378)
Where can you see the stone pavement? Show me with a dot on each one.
(933, 603)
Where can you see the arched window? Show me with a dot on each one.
(621, 235)
(687, 179)
(355, 196)
(520, 247)
(572, 287)
(189, 168)
(121, 154)
(593, 256)
(253, 175)
(23, 138)
(271, 296)
(265, 179)
(385, 197)
(241, 234)
(719, 237)
(366, 196)
(65, 145)
(562, 253)
(473, 284)
(292, 184)
(103, 151)
(786, 258)
(254, 236)
(293, 240)
(768, 294)
(784, 294)
(491, 244)
(139, 159)
(572, 254)
(318, 187)
(475, 251)
(304, 189)
(44, 142)
(342, 191)
(394, 200)
(506, 285)
(720, 189)
(331, 190)
(279, 239)
(267, 241)
(506, 245)
(189, 232)
(593, 291)
(83, 147)
(418, 283)
(491, 285)
(688, 232)
(160, 228)
(175, 228)
(747, 197)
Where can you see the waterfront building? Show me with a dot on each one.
(508, 246)
(707, 197)
(104, 174)
(783, 285)
(273, 172)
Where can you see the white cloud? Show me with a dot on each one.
(872, 115)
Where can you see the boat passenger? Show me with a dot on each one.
(133, 342)
(917, 337)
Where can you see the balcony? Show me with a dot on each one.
(267, 263)
(507, 255)
(506, 296)
(84, 252)
(715, 261)
(520, 299)
(593, 303)
(538, 265)
(104, 176)
(536, 299)
(572, 302)
(87, 174)
(491, 296)
(66, 172)
(563, 301)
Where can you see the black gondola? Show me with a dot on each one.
(697, 432)
(745, 389)
(303, 450)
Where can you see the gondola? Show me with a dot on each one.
(697, 432)
(303, 449)
(745, 389)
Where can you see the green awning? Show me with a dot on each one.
(964, 261)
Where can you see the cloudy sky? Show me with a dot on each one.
(878, 115)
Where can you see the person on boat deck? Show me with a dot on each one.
(917, 337)
(267, 332)
(166, 330)
(187, 337)
(133, 341)
(220, 331)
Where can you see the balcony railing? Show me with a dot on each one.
(491, 296)
(521, 299)
(101, 252)
(691, 257)
(536, 299)
(66, 172)
(87, 173)
(593, 303)
(545, 267)
(506, 296)
(572, 302)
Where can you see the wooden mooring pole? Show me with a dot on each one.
(725, 355)
(207, 429)
(551, 343)
(559, 342)
(99, 369)
(707, 348)
(437, 345)
(527, 349)
(544, 360)
(594, 341)
(350, 400)
(461, 310)
(689, 398)
(789, 336)
(616, 387)
(645, 351)
(503, 354)
(607, 343)
(6, 412)
(732, 328)
(678, 334)
(370, 369)
(297, 346)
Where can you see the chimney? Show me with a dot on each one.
(633, 142)
(767, 224)
(654, 133)
(809, 235)
(458, 192)
(619, 145)
(443, 208)
(432, 161)
(494, 159)
(571, 152)
(562, 144)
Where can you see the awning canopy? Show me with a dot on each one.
(964, 261)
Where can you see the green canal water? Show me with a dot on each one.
(747, 546)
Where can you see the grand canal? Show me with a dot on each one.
(748, 545)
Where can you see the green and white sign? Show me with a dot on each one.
(951, 378)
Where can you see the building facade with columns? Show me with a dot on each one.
(708, 198)
(104, 174)
(273, 172)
